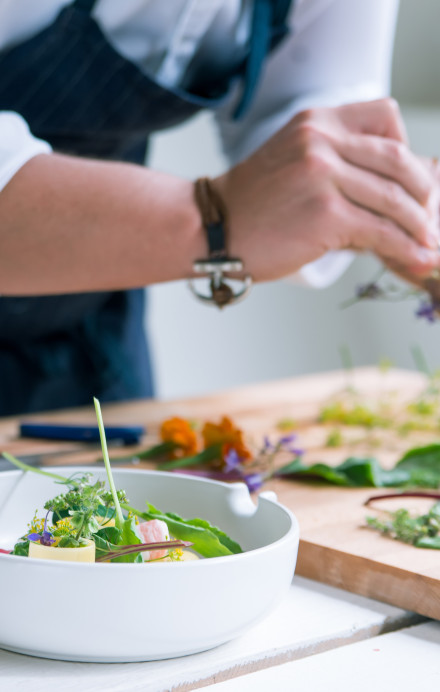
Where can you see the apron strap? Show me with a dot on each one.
(85, 5)
(268, 28)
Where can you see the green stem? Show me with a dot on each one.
(78, 533)
(34, 469)
(119, 521)
(208, 454)
(420, 360)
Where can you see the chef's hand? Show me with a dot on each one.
(431, 283)
(331, 179)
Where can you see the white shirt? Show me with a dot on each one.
(339, 51)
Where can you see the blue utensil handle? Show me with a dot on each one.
(82, 433)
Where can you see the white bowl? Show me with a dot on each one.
(143, 612)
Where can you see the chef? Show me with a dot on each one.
(319, 164)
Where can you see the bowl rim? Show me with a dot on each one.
(290, 534)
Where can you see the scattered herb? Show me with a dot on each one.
(422, 530)
(287, 425)
(334, 439)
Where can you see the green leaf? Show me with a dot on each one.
(423, 465)
(207, 540)
(208, 454)
(428, 542)
(21, 548)
(353, 472)
(110, 534)
(422, 458)
(69, 542)
(107, 540)
(155, 452)
(223, 537)
(129, 535)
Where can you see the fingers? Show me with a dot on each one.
(381, 118)
(387, 198)
(391, 159)
(369, 231)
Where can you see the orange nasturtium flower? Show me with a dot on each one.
(226, 435)
(179, 431)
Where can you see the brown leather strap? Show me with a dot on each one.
(214, 216)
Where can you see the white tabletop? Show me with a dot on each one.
(311, 619)
(406, 660)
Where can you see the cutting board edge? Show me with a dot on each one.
(370, 578)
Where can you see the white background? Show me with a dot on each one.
(281, 329)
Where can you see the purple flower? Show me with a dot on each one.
(232, 460)
(45, 538)
(427, 310)
(254, 481)
(267, 446)
(286, 444)
(34, 537)
(371, 290)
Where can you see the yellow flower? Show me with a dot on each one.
(226, 435)
(179, 431)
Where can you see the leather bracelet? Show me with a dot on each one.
(216, 224)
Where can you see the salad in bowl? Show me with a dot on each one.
(129, 565)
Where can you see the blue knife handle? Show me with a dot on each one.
(82, 433)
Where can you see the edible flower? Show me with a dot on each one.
(227, 436)
(45, 538)
(179, 432)
(284, 444)
(369, 290)
(428, 310)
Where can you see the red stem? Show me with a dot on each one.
(141, 547)
(432, 496)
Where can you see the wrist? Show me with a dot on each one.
(217, 265)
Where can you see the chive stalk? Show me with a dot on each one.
(25, 467)
(119, 520)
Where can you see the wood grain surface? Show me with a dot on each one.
(335, 548)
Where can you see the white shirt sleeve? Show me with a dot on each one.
(17, 145)
(339, 52)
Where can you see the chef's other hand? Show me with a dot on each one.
(333, 178)
(431, 283)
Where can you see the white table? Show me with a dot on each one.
(317, 639)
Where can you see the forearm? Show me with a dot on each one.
(69, 224)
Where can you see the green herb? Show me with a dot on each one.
(355, 414)
(422, 530)
(334, 439)
(287, 424)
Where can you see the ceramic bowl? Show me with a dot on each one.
(143, 612)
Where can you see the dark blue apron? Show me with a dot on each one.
(82, 96)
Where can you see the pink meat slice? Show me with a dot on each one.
(154, 531)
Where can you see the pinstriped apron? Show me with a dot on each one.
(79, 94)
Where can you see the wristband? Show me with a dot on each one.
(215, 222)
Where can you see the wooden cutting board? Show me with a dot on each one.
(335, 548)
